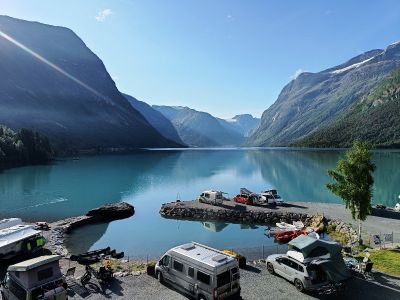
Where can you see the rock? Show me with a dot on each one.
(112, 211)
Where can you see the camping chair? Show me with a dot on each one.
(70, 277)
(366, 269)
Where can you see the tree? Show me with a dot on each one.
(353, 181)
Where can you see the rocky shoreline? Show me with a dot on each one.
(230, 212)
(106, 213)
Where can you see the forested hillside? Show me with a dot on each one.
(374, 118)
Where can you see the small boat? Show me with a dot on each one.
(314, 235)
(287, 236)
(286, 226)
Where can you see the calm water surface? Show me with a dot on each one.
(148, 179)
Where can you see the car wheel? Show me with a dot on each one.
(270, 268)
(201, 297)
(299, 285)
(160, 277)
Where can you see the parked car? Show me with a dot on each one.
(36, 278)
(244, 198)
(211, 197)
(304, 276)
(200, 271)
(272, 197)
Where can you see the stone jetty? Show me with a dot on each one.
(106, 213)
(233, 212)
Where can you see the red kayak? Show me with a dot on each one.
(287, 236)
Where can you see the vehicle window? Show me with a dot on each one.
(191, 272)
(178, 266)
(293, 264)
(219, 196)
(165, 260)
(234, 270)
(202, 194)
(202, 277)
(44, 274)
(16, 289)
(223, 278)
(301, 269)
(207, 195)
(284, 261)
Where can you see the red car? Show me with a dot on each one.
(243, 198)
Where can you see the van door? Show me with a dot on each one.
(165, 266)
(204, 284)
(180, 274)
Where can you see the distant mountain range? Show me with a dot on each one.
(201, 129)
(375, 118)
(315, 100)
(52, 83)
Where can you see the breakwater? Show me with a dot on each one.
(233, 212)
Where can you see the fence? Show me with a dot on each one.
(251, 253)
(384, 240)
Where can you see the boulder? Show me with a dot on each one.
(112, 211)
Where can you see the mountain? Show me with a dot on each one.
(313, 100)
(200, 129)
(156, 119)
(52, 83)
(373, 118)
(244, 124)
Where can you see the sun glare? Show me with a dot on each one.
(50, 64)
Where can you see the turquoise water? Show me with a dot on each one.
(148, 179)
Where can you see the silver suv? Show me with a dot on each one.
(304, 276)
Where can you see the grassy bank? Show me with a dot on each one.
(386, 261)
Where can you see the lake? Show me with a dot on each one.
(147, 179)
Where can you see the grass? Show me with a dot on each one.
(386, 261)
(339, 237)
(127, 266)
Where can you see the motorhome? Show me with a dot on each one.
(37, 278)
(200, 271)
(20, 239)
(6, 223)
(211, 197)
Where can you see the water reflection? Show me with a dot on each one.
(214, 226)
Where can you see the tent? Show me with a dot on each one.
(327, 254)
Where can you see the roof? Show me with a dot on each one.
(305, 244)
(204, 254)
(16, 233)
(33, 263)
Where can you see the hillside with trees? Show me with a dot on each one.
(23, 147)
(373, 118)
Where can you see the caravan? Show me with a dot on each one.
(200, 271)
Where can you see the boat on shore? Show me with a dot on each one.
(295, 226)
(287, 236)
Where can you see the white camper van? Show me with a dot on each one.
(211, 197)
(36, 278)
(200, 271)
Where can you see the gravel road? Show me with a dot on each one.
(256, 283)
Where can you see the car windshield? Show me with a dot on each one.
(277, 196)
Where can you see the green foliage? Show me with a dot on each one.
(374, 118)
(353, 180)
(23, 147)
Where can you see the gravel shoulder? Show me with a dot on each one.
(256, 283)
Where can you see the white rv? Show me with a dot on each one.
(211, 197)
(200, 271)
(20, 239)
(6, 223)
(36, 278)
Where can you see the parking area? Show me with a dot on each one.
(256, 283)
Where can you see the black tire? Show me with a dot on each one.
(201, 297)
(299, 285)
(160, 277)
(270, 268)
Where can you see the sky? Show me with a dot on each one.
(225, 57)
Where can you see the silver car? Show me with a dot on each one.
(304, 276)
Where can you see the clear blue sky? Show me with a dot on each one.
(222, 56)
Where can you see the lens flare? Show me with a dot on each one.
(52, 65)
